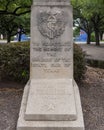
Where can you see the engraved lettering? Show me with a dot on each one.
(56, 65)
(41, 60)
(37, 49)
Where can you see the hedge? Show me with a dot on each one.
(15, 61)
(95, 63)
(79, 63)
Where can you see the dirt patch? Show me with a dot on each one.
(10, 99)
(92, 96)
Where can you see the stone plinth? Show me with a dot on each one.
(51, 100)
(50, 125)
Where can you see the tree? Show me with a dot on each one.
(81, 19)
(15, 7)
(97, 11)
(23, 25)
(10, 24)
(101, 32)
(13, 13)
(90, 15)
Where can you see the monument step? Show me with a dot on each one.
(50, 125)
(51, 99)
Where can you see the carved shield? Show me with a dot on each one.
(51, 25)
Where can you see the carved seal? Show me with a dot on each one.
(51, 25)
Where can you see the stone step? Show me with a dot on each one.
(78, 124)
(51, 99)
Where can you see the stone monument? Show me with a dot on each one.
(51, 99)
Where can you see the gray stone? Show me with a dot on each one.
(51, 2)
(66, 1)
(50, 125)
(51, 43)
(51, 99)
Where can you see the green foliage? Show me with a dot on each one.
(14, 13)
(14, 62)
(95, 63)
(89, 16)
(15, 7)
(14, 23)
(79, 63)
(76, 32)
(92, 37)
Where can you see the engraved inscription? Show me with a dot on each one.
(53, 57)
(51, 54)
(51, 24)
(50, 90)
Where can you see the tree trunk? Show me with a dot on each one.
(19, 38)
(8, 38)
(97, 38)
(88, 38)
(101, 35)
(20, 32)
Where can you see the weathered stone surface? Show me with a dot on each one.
(51, 43)
(51, 100)
(50, 125)
(51, 2)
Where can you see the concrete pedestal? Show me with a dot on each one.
(77, 124)
(51, 99)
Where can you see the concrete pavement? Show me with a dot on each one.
(3, 41)
(93, 52)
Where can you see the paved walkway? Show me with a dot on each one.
(93, 51)
(3, 41)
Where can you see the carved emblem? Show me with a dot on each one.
(49, 107)
(51, 25)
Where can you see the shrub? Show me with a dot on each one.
(14, 62)
(79, 63)
(95, 63)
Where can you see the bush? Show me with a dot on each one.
(79, 63)
(14, 62)
(95, 63)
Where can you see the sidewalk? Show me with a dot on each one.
(3, 41)
(93, 52)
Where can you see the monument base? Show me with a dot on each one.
(51, 100)
(77, 124)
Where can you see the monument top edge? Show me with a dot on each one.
(54, 2)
